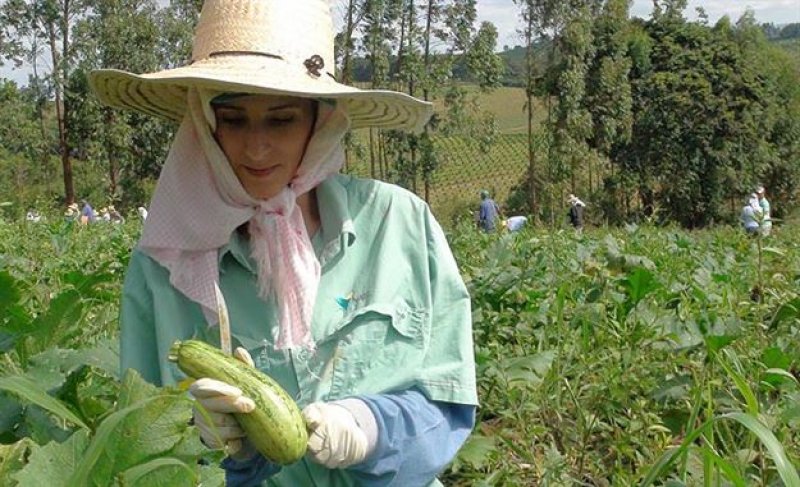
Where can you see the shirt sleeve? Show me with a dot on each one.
(249, 473)
(138, 346)
(448, 371)
(417, 438)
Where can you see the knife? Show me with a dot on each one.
(224, 322)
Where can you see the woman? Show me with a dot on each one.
(343, 290)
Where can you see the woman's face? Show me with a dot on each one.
(264, 138)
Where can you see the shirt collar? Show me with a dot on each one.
(337, 229)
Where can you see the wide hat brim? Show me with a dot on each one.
(163, 93)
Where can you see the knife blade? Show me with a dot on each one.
(224, 322)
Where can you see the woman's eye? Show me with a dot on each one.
(280, 121)
(233, 121)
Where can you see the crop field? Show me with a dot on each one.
(465, 168)
(633, 356)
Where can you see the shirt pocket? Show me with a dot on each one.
(373, 342)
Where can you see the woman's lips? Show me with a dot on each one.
(260, 173)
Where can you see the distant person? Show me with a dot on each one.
(766, 218)
(33, 216)
(88, 214)
(488, 212)
(104, 215)
(576, 207)
(751, 214)
(72, 212)
(515, 223)
(114, 215)
(142, 212)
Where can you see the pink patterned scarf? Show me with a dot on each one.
(199, 202)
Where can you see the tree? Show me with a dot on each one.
(49, 22)
(704, 118)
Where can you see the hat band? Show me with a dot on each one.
(244, 53)
(313, 64)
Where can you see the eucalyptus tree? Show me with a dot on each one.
(377, 33)
(41, 31)
(571, 126)
(540, 18)
(610, 103)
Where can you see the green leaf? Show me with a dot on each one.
(715, 343)
(104, 356)
(32, 392)
(9, 292)
(160, 472)
(13, 458)
(52, 464)
(476, 450)
(786, 312)
(774, 251)
(529, 369)
(742, 385)
(774, 357)
(726, 467)
(148, 429)
(134, 389)
(639, 283)
(783, 465)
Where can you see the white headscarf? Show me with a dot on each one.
(199, 202)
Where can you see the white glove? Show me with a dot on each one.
(335, 438)
(214, 402)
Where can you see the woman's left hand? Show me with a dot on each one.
(335, 439)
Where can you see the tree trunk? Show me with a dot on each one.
(427, 55)
(61, 110)
(113, 171)
(401, 48)
(372, 153)
(529, 93)
(346, 68)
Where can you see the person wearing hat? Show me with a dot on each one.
(72, 212)
(343, 290)
(488, 212)
(115, 216)
(575, 213)
(763, 204)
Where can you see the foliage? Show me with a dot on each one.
(631, 357)
(614, 358)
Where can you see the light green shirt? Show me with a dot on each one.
(391, 313)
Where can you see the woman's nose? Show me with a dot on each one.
(257, 144)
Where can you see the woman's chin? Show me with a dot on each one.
(261, 193)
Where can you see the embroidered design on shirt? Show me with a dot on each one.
(344, 302)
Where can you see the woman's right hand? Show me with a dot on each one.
(215, 403)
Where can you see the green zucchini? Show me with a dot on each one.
(275, 427)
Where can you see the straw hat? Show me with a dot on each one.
(262, 47)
